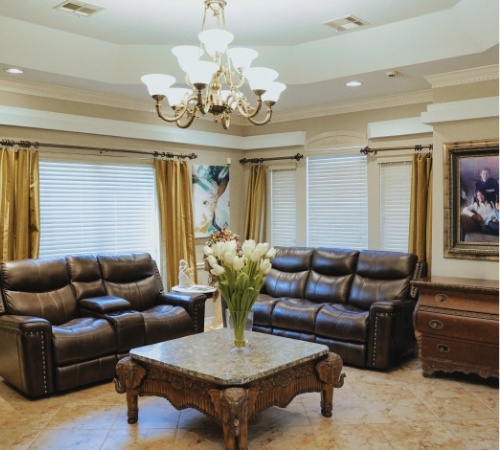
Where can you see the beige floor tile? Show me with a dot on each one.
(151, 415)
(281, 438)
(429, 435)
(350, 437)
(17, 439)
(140, 439)
(69, 440)
(85, 417)
(475, 434)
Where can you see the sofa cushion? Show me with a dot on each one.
(85, 276)
(83, 339)
(289, 272)
(342, 322)
(295, 314)
(132, 277)
(38, 287)
(263, 309)
(381, 276)
(165, 322)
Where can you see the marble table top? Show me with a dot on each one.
(208, 356)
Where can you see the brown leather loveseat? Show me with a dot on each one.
(358, 303)
(65, 322)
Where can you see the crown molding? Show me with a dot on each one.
(101, 99)
(476, 75)
(411, 98)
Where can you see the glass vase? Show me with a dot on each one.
(238, 325)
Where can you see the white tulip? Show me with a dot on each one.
(217, 270)
(207, 250)
(212, 260)
(271, 253)
(259, 251)
(238, 263)
(265, 266)
(248, 247)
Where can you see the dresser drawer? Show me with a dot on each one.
(475, 327)
(461, 351)
(459, 300)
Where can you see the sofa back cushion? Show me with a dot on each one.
(39, 288)
(85, 276)
(381, 276)
(289, 272)
(133, 277)
(332, 272)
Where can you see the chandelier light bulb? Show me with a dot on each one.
(201, 71)
(186, 54)
(215, 41)
(259, 77)
(157, 83)
(176, 95)
(241, 58)
(273, 91)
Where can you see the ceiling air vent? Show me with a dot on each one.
(345, 23)
(80, 8)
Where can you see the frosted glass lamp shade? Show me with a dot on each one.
(201, 71)
(260, 77)
(273, 91)
(157, 83)
(186, 54)
(215, 41)
(242, 57)
(176, 95)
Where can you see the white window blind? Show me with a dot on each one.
(283, 207)
(97, 207)
(337, 214)
(395, 196)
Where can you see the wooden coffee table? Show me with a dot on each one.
(201, 372)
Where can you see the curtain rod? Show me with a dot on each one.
(28, 144)
(296, 157)
(417, 148)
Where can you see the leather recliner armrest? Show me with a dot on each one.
(106, 304)
(194, 304)
(26, 356)
(391, 333)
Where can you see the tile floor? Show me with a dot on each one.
(398, 410)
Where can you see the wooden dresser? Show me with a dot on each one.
(456, 325)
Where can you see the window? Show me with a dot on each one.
(337, 205)
(395, 196)
(89, 206)
(283, 207)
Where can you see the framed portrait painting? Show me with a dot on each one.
(471, 195)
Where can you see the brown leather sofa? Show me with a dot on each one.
(358, 303)
(65, 322)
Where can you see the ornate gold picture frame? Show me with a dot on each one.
(471, 173)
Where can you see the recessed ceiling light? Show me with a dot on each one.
(353, 83)
(14, 70)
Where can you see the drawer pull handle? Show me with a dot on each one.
(436, 324)
(443, 348)
(441, 298)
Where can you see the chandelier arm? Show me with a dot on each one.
(267, 119)
(179, 112)
(252, 111)
(191, 115)
(225, 120)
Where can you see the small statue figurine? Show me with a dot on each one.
(185, 274)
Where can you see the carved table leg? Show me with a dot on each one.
(329, 372)
(231, 406)
(129, 377)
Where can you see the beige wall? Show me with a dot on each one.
(355, 122)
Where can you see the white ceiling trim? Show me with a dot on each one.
(23, 117)
(479, 108)
(475, 75)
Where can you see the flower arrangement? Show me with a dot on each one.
(240, 274)
(223, 235)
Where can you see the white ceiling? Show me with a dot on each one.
(109, 51)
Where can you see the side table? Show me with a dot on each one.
(456, 325)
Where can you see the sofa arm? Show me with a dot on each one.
(106, 304)
(26, 356)
(391, 335)
(193, 303)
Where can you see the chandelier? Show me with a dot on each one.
(214, 85)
